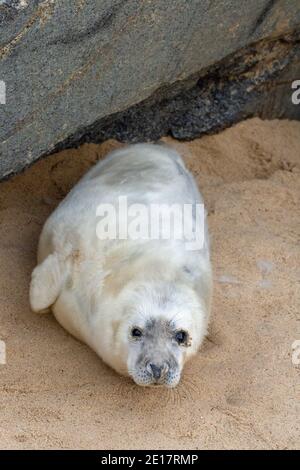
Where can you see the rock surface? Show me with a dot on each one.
(77, 71)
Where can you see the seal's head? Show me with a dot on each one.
(162, 327)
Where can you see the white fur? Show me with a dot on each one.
(97, 288)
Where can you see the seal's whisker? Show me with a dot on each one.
(175, 400)
(177, 397)
(189, 382)
(190, 387)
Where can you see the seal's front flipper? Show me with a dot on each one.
(46, 283)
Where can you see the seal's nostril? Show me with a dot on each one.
(156, 371)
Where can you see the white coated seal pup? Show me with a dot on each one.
(142, 303)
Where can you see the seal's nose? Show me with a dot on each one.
(158, 371)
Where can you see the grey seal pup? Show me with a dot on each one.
(141, 303)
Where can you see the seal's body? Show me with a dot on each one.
(142, 304)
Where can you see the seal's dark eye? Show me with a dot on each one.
(181, 337)
(136, 333)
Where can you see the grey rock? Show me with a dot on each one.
(137, 69)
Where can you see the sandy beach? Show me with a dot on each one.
(242, 389)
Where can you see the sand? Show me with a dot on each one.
(242, 390)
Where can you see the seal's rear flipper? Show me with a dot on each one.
(46, 283)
